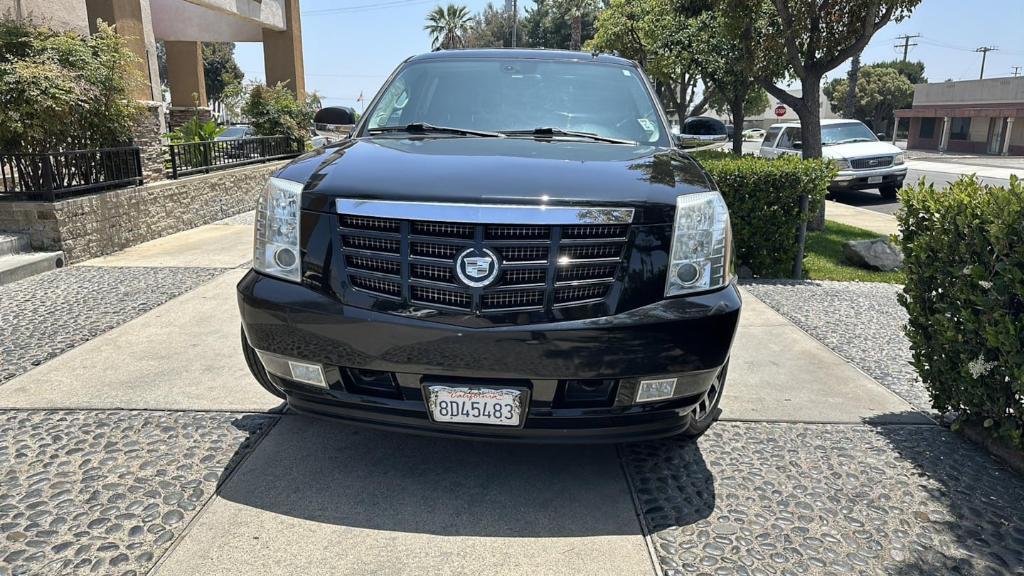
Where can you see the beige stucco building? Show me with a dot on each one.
(183, 25)
(975, 116)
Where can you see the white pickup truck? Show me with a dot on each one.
(863, 161)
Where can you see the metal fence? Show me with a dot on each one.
(57, 175)
(197, 157)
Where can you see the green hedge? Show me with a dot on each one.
(764, 205)
(964, 249)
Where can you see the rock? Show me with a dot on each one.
(878, 254)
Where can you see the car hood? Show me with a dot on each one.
(859, 150)
(522, 171)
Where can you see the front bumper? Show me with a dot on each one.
(684, 338)
(862, 179)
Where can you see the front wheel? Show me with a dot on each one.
(706, 412)
(257, 369)
(889, 192)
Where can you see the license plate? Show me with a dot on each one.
(874, 179)
(500, 407)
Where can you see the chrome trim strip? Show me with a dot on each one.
(483, 213)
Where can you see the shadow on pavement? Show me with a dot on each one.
(338, 474)
(865, 198)
(973, 523)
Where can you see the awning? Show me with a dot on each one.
(995, 111)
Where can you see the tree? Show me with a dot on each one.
(274, 111)
(912, 71)
(548, 24)
(575, 11)
(880, 92)
(220, 68)
(491, 28)
(655, 34)
(809, 38)
(448, 27)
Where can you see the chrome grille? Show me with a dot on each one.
(542, 265)
(874, 162)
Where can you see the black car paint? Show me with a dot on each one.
(635, 333)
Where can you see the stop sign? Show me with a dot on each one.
(780, 110)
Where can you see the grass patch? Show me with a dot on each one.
(823, 257)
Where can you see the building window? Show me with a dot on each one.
(927, 129)
(960, 129)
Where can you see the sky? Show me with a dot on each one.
(351, 46)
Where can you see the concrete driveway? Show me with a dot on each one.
(133, 440)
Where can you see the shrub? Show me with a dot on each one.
(60, 90)
(764, 204)
(274, 111)
(964, 249)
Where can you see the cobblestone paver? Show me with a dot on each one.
(107, 491)
(828, 499)
(48, 314)
(860, 321)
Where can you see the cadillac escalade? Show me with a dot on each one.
(509, 245)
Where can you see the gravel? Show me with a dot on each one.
(109, 491)
(48, 314)
(828, 499)
(243, 219)
(860, 321)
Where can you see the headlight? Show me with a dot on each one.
(898, 159)
(701, 245)
(841, 164)
(276, 243)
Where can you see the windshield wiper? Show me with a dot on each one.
(848, 141)
(424, 128)
(549, 132)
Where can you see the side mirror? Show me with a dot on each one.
(880, 135)
(798, 145)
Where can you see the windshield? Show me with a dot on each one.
(846, 133)
(234, 132)
(497, 95)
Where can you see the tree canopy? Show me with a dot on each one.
(881, 90)
(549, 23)
(448, 26)
(220, 69)
(492, 28)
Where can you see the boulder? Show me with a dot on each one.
(878, 254)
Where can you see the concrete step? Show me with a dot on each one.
(14, 267)
(12, 243)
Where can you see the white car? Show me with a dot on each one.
(753, 134)
(863, 161)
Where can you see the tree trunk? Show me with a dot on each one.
(810, 132)
(851, 88)
(738, 118)
(577, 31)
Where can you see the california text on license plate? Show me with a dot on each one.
(874, 179)
(500, 407)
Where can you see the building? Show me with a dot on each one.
(182, 25)
(973, 116)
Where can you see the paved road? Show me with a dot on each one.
(872, 200)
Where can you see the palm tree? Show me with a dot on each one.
(448, 27)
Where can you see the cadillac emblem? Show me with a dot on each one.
(477, 267)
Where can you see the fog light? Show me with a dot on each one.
(293, 369)
(688, 273)
(651, 390)
(285, 257)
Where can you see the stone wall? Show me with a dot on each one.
(178, 115)
(147, 134)
(106, 222)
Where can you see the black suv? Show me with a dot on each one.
(509, 245)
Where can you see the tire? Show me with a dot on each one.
(257, 369)
(889, 192)
(706, 412)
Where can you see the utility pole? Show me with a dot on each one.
(984, 52)
(851, 87)
(906, 43)
(515, 22)
(1016, 70)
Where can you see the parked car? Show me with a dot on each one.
(236, 131)
(863, 161)
(508, 246)
(702, 131)
(753, 134)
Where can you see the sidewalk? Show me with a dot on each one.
(877, 222)
(962, 167)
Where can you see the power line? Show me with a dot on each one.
(984, 53)
(906, 43)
